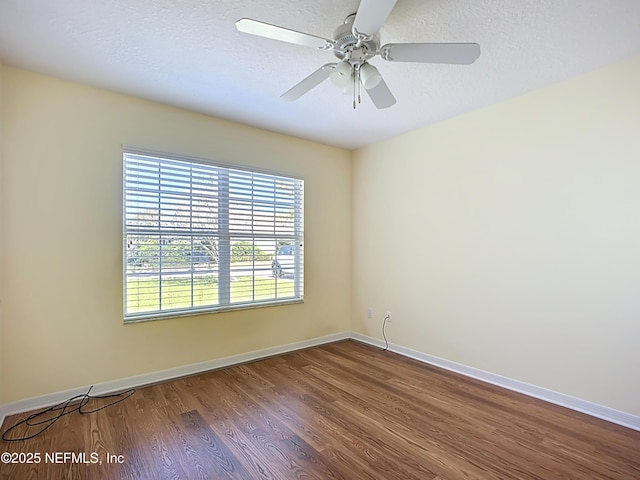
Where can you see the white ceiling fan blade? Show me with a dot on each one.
(261, 29)
(371, 15)
(381, 96)
(452, 53)
(312, 81)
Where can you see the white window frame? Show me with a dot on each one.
(246, 187)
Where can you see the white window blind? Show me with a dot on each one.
(201, 237)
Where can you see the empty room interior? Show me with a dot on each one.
(368, 239)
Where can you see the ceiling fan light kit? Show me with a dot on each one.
(341, 74)
(369, 76)
(355, 42)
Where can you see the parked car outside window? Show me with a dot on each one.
(283, 263)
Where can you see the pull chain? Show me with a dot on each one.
(359, 86)
(356, 86)
(355, 74)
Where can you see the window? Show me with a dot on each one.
(200, 237)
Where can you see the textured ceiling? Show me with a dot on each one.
(188, 53)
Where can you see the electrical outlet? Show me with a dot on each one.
(369, 313)
(388, 316)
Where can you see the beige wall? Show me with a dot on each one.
(508, 239)
(63, 234)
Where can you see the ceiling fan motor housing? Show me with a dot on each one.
(345, 40)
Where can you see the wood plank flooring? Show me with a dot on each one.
(339, 411)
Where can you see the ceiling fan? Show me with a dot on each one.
(354, 43)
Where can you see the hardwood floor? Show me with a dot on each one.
(339, 411)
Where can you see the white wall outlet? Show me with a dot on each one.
(388, 316)
(369, 313)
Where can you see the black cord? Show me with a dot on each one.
(384, 324)
(62, 409)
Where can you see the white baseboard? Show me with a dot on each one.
(136, 381)
(584, 406)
